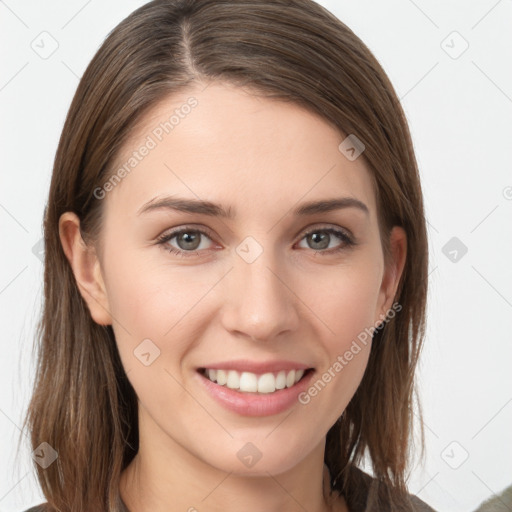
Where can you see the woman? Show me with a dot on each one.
(235, 273)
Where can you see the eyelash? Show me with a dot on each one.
(348, 242)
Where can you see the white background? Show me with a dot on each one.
(460, 115)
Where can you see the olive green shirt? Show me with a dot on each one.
(365, 501)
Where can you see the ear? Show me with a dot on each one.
(392, 272)
(86, 268)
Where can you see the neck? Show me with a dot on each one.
(163, 475)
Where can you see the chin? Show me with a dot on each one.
(258, 459)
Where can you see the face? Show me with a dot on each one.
(272, 286)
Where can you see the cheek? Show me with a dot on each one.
(345, 300)
(151, 300)
(156, 309)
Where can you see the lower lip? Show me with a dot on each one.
(256, 404)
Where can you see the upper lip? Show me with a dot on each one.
(245, 365)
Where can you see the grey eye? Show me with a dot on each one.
(319, 240)
(188, 240)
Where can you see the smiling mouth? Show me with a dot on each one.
(248, 382)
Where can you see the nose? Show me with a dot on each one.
(259, 299)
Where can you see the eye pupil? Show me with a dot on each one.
(321, 238)
(190, 239)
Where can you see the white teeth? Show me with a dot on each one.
(233, 379)
(222, 377)
(266, 383)
(251, 382)
(248, 382)
(281, 380)
(290, 379)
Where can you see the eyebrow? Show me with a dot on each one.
(216, 210)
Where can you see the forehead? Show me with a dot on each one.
(226, 144)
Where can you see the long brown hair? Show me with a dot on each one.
(83, 404)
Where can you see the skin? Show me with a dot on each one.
(263, 158)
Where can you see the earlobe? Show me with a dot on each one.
(394, 270)
(86, 268)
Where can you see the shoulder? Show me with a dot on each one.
(418, 505)
(38, 508)
(366, 491)
(43, 507)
